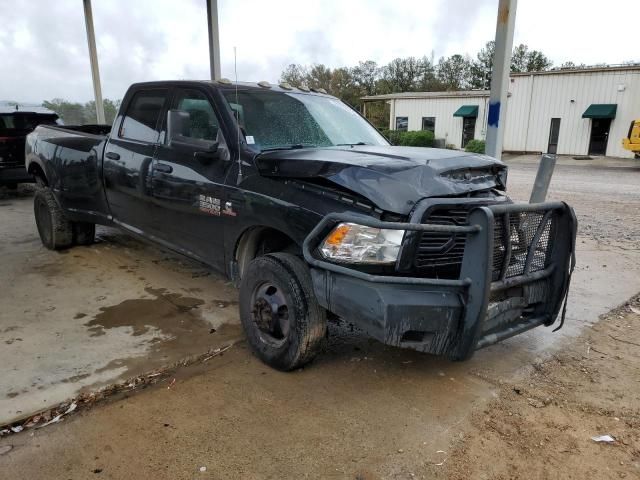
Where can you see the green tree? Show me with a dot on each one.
(110, 111)
(403, 74)
(480, 69)
(572, 66)
(70, 112)
(294, 74)
(365, 76)
(318, 76)
(428, 81)
(454, 72)
(74, 113)
(525, 60)
(538, 62)
(344, 87)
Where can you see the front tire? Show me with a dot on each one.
(56, 232)
(284, 324)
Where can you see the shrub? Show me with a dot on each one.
(392, 135)
(420, 138)
(475, 146)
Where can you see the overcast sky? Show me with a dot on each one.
(43, 49)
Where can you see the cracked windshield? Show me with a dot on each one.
(289, 120)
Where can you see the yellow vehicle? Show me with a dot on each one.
(632, 142)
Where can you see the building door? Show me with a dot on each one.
(599, 136)
(554, 133)
(468, 130)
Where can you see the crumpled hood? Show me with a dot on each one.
(393, 178)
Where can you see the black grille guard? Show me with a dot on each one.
(475, 281)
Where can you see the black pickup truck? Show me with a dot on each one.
(314, 215)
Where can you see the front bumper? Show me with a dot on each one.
(455, 317)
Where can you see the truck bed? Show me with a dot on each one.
(71, 159)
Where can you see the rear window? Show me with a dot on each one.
(141, 119)
(18, 123)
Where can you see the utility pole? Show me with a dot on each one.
(214, 39)
(93, 58)
(500, 77)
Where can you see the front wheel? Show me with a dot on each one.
(284, 324)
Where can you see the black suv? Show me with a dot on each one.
(15, 124)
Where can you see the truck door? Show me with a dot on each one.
(128, 158)
(188, 189)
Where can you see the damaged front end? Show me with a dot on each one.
(467, 274)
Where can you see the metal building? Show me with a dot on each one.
(570, 112)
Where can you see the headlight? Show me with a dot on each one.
(353, 243)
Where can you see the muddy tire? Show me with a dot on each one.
(56, 232)
(284, 324)
(84, 233)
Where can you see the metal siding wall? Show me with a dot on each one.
(534, 101)
(447, 126)
(552, 95)
(517, 114)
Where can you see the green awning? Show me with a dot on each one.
(600, 110)
(467, 111)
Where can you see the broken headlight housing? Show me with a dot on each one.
(354, 243)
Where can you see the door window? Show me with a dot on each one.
(203, 121)
(141, 118)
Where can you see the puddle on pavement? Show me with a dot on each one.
(177, 318)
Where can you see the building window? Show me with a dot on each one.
(402, 123)
(429, 123)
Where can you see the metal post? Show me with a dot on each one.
(500, 77)
(543, 178)
(93, 58)
(214, 39)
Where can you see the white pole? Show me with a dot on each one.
(93, 58)
(543, 178)
(500, 77)
(214, 39)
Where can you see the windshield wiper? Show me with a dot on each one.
(294, 146)
(350, 144)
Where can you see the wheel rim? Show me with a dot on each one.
(270, 313)
(43, 221)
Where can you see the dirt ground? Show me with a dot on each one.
(542, 425)
(362, 410)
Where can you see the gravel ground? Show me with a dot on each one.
(605, 196)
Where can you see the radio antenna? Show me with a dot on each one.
(235, 72)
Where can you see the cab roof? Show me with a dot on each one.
(226, 84)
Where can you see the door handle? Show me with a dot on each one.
(112, 155)
(163, 168)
